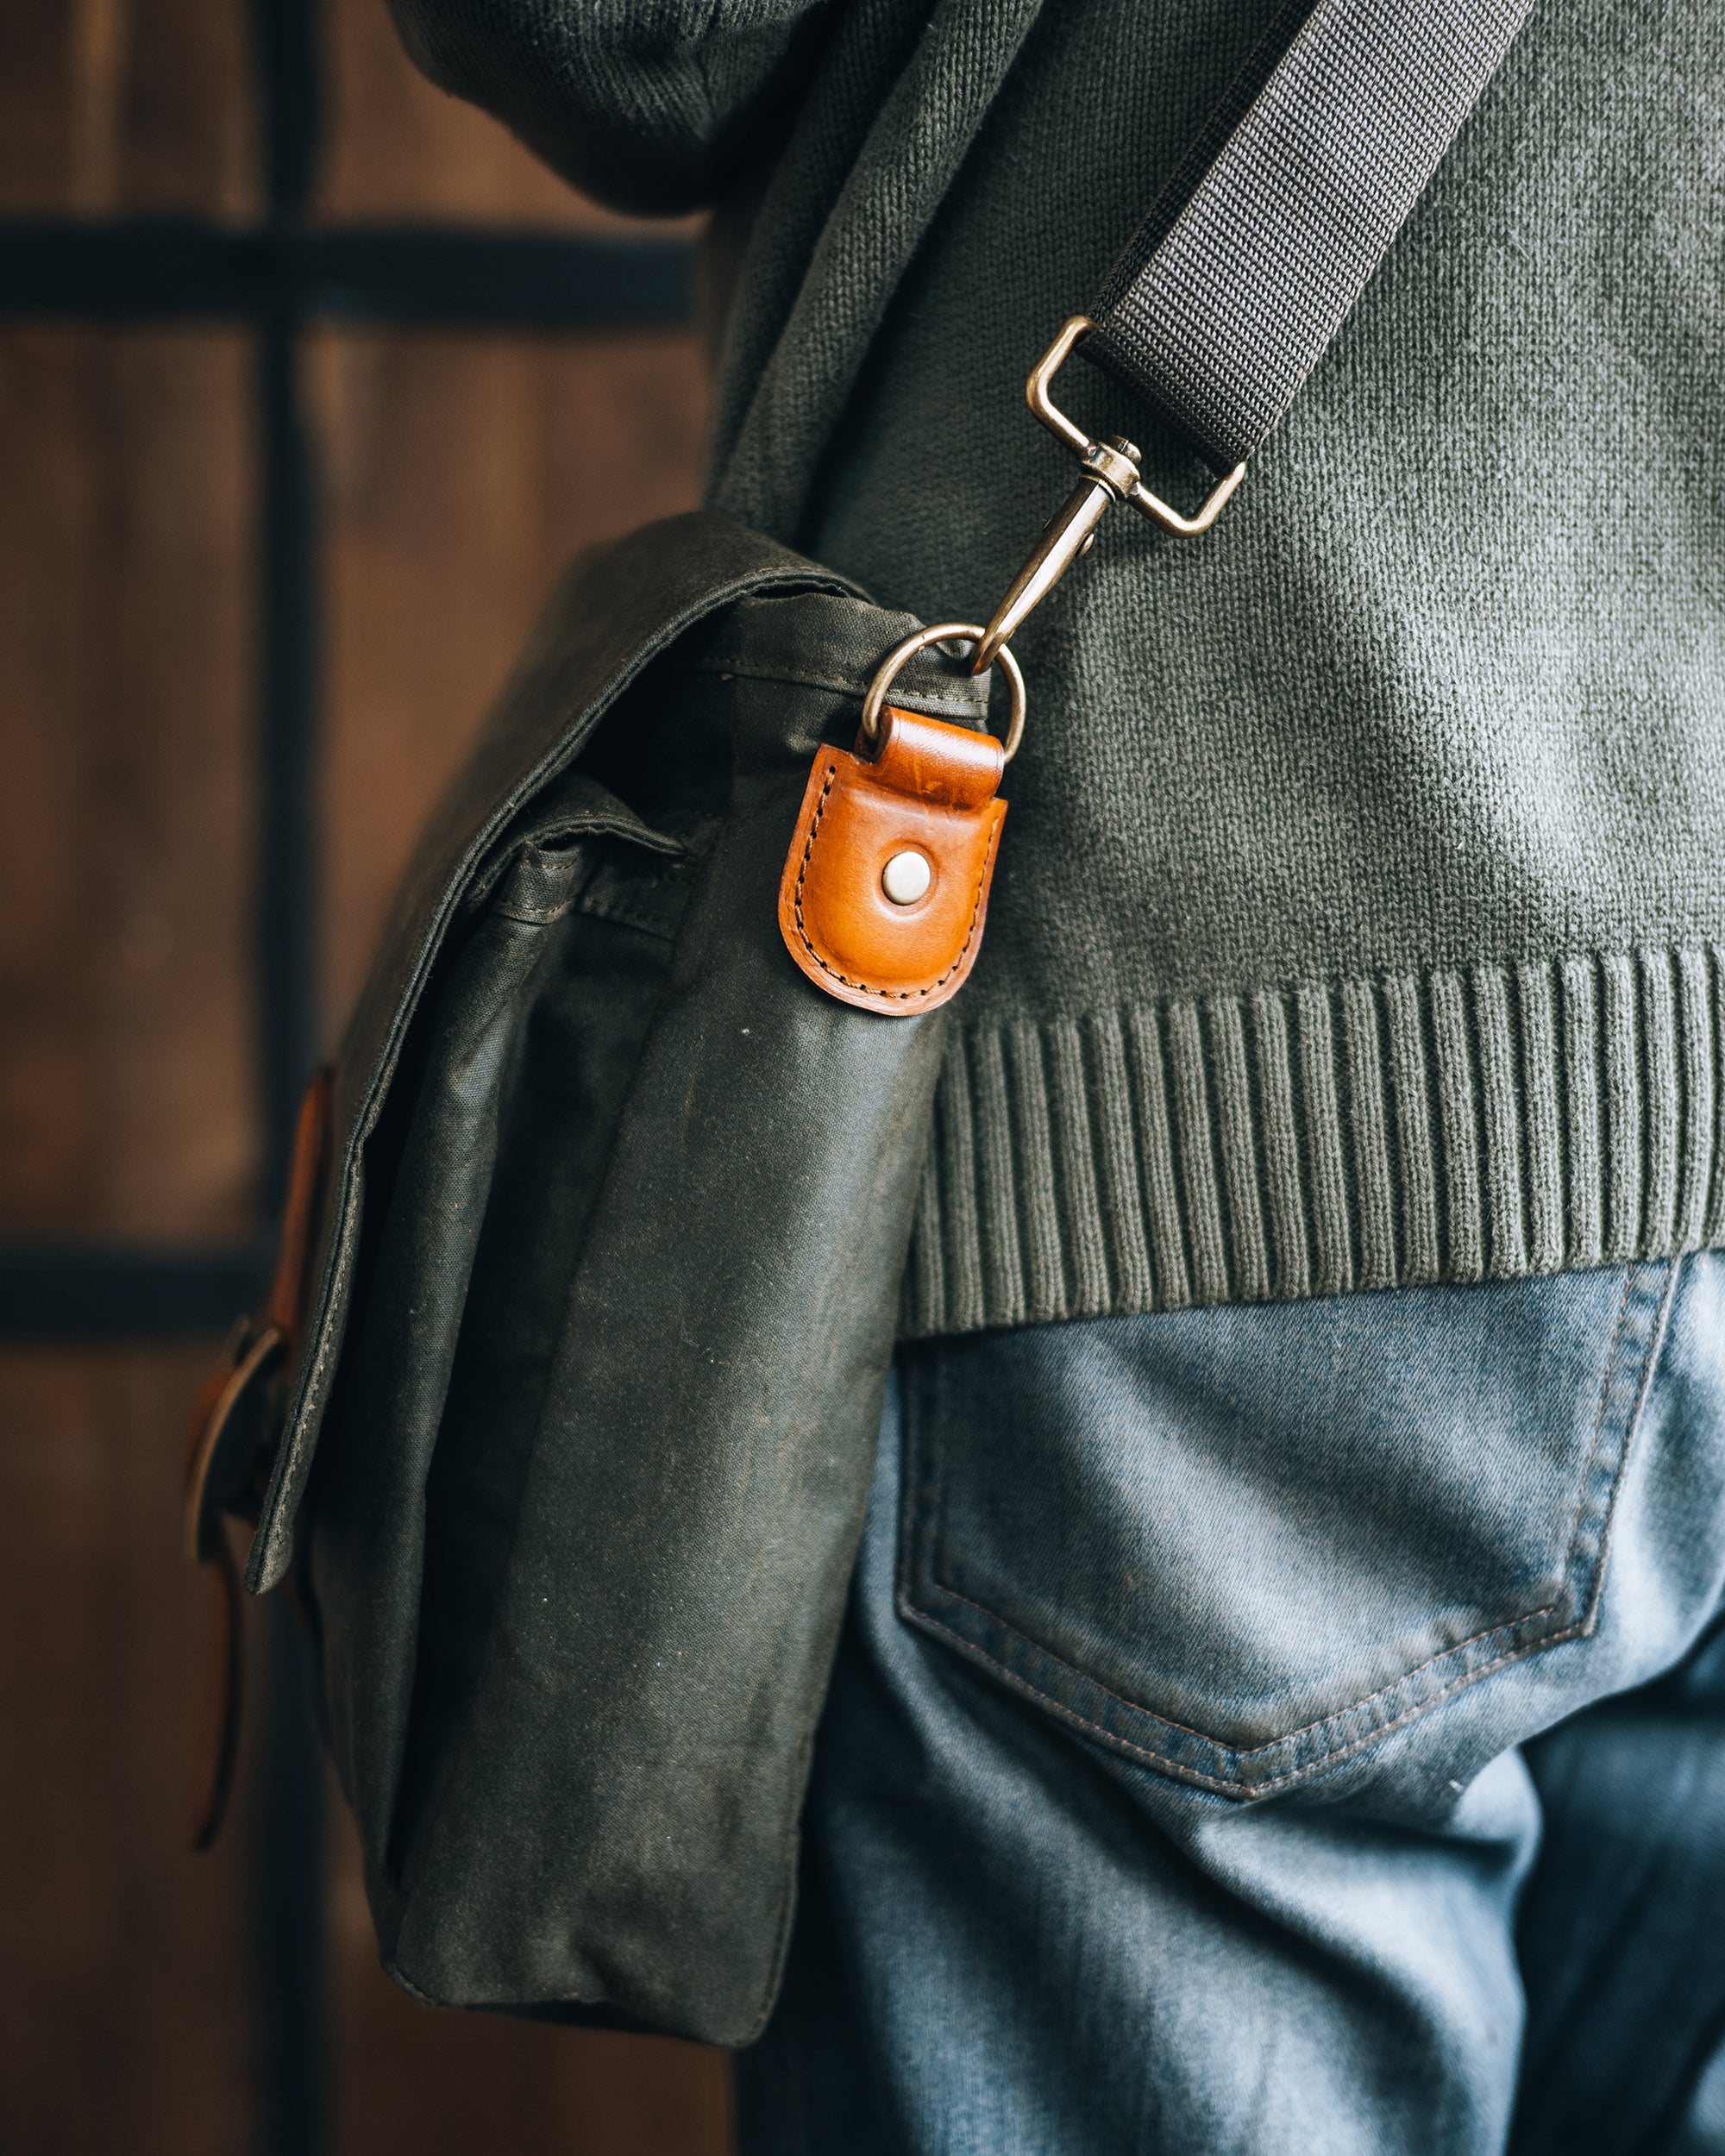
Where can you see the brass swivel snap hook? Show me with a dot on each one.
(1110, 467)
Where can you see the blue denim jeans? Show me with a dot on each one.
(1288, 1729)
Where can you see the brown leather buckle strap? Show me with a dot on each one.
(235, 1427)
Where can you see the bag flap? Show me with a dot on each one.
(620, 607)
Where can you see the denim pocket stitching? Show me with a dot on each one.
(1245, 1791)
(920, 1516)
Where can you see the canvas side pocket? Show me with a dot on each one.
(484, 1167)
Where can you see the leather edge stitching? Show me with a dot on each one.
(892, 995)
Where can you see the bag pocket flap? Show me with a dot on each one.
(619, 608)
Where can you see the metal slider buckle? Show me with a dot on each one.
(1110, 474)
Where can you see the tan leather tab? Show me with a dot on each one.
(885, 885)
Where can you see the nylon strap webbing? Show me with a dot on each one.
(1266, 235)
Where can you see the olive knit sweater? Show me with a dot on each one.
(1360, 915)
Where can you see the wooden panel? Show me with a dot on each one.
(396, 146)
(460, 473)
(126, 728)
(126, 104)
(124, 2015)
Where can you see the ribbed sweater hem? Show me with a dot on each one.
(1485, 1123)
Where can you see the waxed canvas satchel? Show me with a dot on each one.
(610, 1294)
(562, 1418)
(602, 1303)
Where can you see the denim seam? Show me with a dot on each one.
(1235, 1788)
(1275, 1744)
(1656, 1334)
(1570, 1553)
(1237, 1785)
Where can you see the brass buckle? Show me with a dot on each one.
(1110, 465)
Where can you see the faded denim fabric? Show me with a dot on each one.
(1292, 1728)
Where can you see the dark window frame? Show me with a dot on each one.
(278, 277)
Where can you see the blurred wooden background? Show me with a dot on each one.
(457, 472)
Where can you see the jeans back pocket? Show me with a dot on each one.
(1241, 1545)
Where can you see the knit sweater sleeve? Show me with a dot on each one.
(651, 105)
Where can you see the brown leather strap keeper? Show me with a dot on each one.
(234, 1428)
(885, 885)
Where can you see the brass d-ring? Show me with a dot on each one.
(971, 633)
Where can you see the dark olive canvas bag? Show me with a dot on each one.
(616, 1215)
(562, 1421)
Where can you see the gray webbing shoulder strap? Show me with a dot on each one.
(1252, 256)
